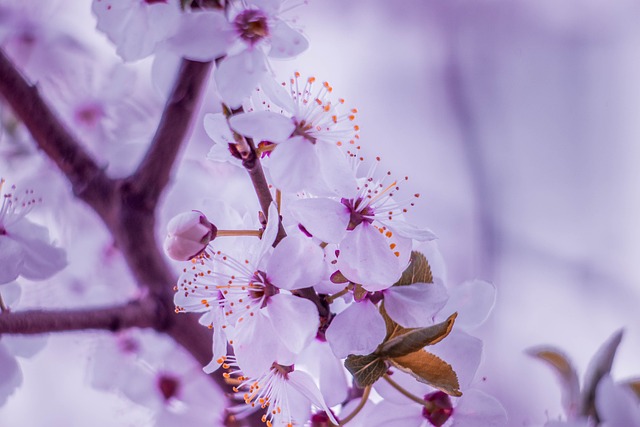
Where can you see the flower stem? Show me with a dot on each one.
(422, 402)
(237, 233)
(356, 411)
(331, 298)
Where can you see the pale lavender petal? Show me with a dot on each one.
(295, 320)
(415, 305)
(202, 36)
(365, 258)
(286, 42)
(473, 300)
(476, 408)
(294, 165)
(617, 406)
(254, 345)
(302, 382)
(337, 173)
(410, 231)
(359, 329)
(296, 263)
(325, 219)
(237, 76)
(263, 125)
(11, 259)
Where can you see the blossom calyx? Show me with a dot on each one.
(188, 234)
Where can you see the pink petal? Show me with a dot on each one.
(415, 305)
(254, 345)
(359, 329)
(263, 125)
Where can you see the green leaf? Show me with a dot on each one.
(429, 369)
(415, 339)
(366, 370)
(418, 271)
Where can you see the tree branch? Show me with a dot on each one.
(88, 180)
(154, 171)
(140, 313)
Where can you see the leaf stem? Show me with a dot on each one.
(331, 298)
(356, 411)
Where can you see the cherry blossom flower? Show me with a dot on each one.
(374, 239)
(267, 324)
(259, 33)
(137, 27)
(286, 394)
(308, 128)
(24, 246)
(151, 371)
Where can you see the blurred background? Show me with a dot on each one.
(517, 123)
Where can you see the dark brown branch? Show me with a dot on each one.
(141, 313)
(88, 180)
(154, 171)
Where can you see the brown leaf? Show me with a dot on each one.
(366, 370)
(429, 369)
(415, 339)
(418, 271)
(393, 329)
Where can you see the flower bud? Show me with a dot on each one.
(188, 235)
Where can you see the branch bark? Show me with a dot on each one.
(88, 180)
(154, 171)
(140, 313)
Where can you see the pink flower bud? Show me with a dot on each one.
(188, 235)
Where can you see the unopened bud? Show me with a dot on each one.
(188, 235)
(439, 410)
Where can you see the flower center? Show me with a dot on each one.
(441, 408)
(262, 292)
(252, 25)
(357, 217)
(168, 386)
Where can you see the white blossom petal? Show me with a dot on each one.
(253, 343)
(202, 36)
(302, 382)
(11, 259)
(10, 374)
(473, 300)
(337, 173)
(617, 406)
(294, 165)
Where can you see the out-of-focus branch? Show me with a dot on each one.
(154, 171)
(88, 180)
(142, 313)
